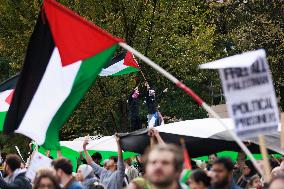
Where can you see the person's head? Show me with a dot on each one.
(241, 160)
(106, 164)
(135, 93)
(96, 185)
(254, 182)
(128, 161)
(41, 171)
(276, 171)
(164, 165)
(222, 172)
(112, 163)
(97, 158)
(152, 92)
(212, 158)
(277, 182)
(46, 181)
(12, 163)
(199, 180)
(84, 171)
(63, 168)
(249, 169)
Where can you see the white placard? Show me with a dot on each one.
(38, 161)
(250, 98)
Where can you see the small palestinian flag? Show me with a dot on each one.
(6, 94)
(65, 55)
(122, 64)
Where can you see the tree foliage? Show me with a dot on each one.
(178, 35)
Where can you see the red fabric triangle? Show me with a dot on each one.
(8, 100)
(130, 61)
(187, 163)
(75, 37)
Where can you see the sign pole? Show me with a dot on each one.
(195, 97)
(263, 150)
(282, 130)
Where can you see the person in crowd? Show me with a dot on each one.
(278, 170)
(106, 164)
(248, 171)
(97, 185)
(133, 102)
(155, 137)
(41, 171)
(211, 159)
(199, 180)
(222, 174)
(254, 182)
(16, 178)
(277, 182)
(150, 97)
(46, 180)
(97, 158)
(239, 166)
(130, 171)
(86, 175)
(163, 165)
(63, 169)
(112, 178)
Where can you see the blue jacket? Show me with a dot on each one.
(74, 185)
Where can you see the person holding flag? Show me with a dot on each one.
(133, 102)
(154, 116)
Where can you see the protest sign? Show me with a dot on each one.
(249, 92)
(38, 161)
(250, 98)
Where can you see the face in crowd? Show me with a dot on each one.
(241, 160)
(111, 164)
(161, 167)
(212, 158)
(46, 183)
(277, 182)
(46, 180)
(222, 173)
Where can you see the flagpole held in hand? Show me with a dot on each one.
(199, 101)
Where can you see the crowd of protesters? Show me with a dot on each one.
(160, 167)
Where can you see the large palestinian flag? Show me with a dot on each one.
(65, 55)
(124, 63)
(6, 94)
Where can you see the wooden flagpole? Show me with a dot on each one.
(282, 130)
(267, 167)
(195, 97)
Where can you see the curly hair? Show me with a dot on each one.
(50, 176)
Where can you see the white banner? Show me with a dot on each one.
(250, 98)
(38, 161)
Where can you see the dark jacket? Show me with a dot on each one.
(232, 186)
(133, 106)
(20, 182)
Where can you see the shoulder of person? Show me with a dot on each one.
(75, 185)
(24, 181)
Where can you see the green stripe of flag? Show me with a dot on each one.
(2, 119)
(127, 70)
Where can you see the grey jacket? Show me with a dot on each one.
(111, 179)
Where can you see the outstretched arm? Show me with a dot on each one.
(158, 137)
(97, 168)
(88, 157)
(120, 163)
